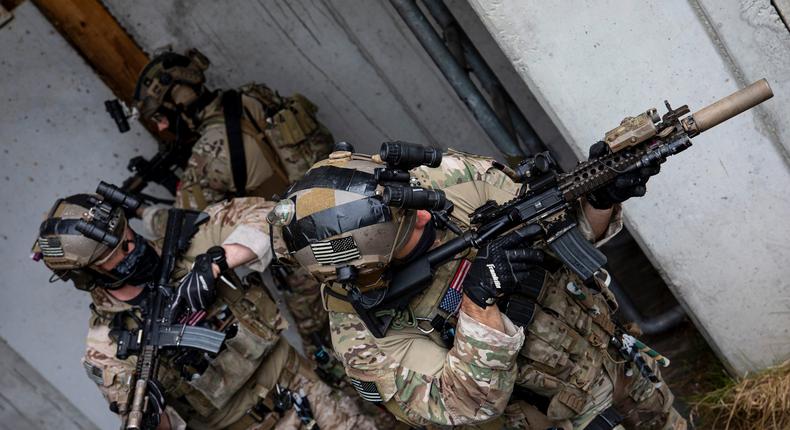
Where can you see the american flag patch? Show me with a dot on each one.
(50, 246)
(367, 390)
(452, 297)
(335, 251)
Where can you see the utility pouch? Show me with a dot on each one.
(292, 136)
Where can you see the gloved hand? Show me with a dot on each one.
(156, 404)
(197, 287)
(625, 186)
(503, 266)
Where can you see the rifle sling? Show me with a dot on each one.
(232, 109)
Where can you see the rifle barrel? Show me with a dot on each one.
(735, 103)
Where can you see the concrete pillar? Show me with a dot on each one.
(714, 222)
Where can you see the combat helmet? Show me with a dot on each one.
(82, 231)
(347, 217)
(155, 84)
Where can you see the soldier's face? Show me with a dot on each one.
(423, 218)
(161, 121)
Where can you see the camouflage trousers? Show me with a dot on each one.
(644, 405)
(331, 409)
(303, 300)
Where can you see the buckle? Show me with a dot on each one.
(258, 412)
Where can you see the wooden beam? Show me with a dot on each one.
(5, 16)
(98, 37)
(10, 5)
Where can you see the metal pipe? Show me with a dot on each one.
(443, 16)
(650, 326)
(457, 77)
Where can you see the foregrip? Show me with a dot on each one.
(726, 108)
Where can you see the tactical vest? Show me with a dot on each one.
(284, 129)
(567, 335)
(246, 370)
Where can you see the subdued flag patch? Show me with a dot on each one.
(367, 390)
(335, 251)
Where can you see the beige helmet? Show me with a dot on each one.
(63, 248)
(335, 224)
(154, 89)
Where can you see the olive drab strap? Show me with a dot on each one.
(231, 108)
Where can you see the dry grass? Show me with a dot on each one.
(758, 402)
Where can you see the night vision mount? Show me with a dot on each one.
(104, 215)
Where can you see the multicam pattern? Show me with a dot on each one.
(472, 385)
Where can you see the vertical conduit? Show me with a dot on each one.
(458, 78)
(531, 142)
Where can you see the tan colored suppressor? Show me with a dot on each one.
(726, 108)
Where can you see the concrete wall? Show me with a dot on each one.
(56, 140)
(354, 58)
(715, 221)
(30, 402)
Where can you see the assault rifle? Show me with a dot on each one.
(158, 330)
(161, 168)
(547, 194)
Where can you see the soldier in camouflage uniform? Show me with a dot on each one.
(565, 374)
(281, 139)
(238, 388)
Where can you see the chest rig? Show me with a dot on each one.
(198, 384)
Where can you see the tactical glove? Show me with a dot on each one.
(156, 404)
(504, 266)
(625, 186)
(197, 287)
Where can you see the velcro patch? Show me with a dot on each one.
(335, 251)
(95, 373)
(367, 390)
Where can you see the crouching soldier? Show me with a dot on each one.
(255, 381)
(250, 142)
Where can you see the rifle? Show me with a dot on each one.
(547, 195)
(161, 167)
(157, 330)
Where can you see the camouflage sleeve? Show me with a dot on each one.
(470, 180)
(470, 383)
(244, 220)
(614, 227)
